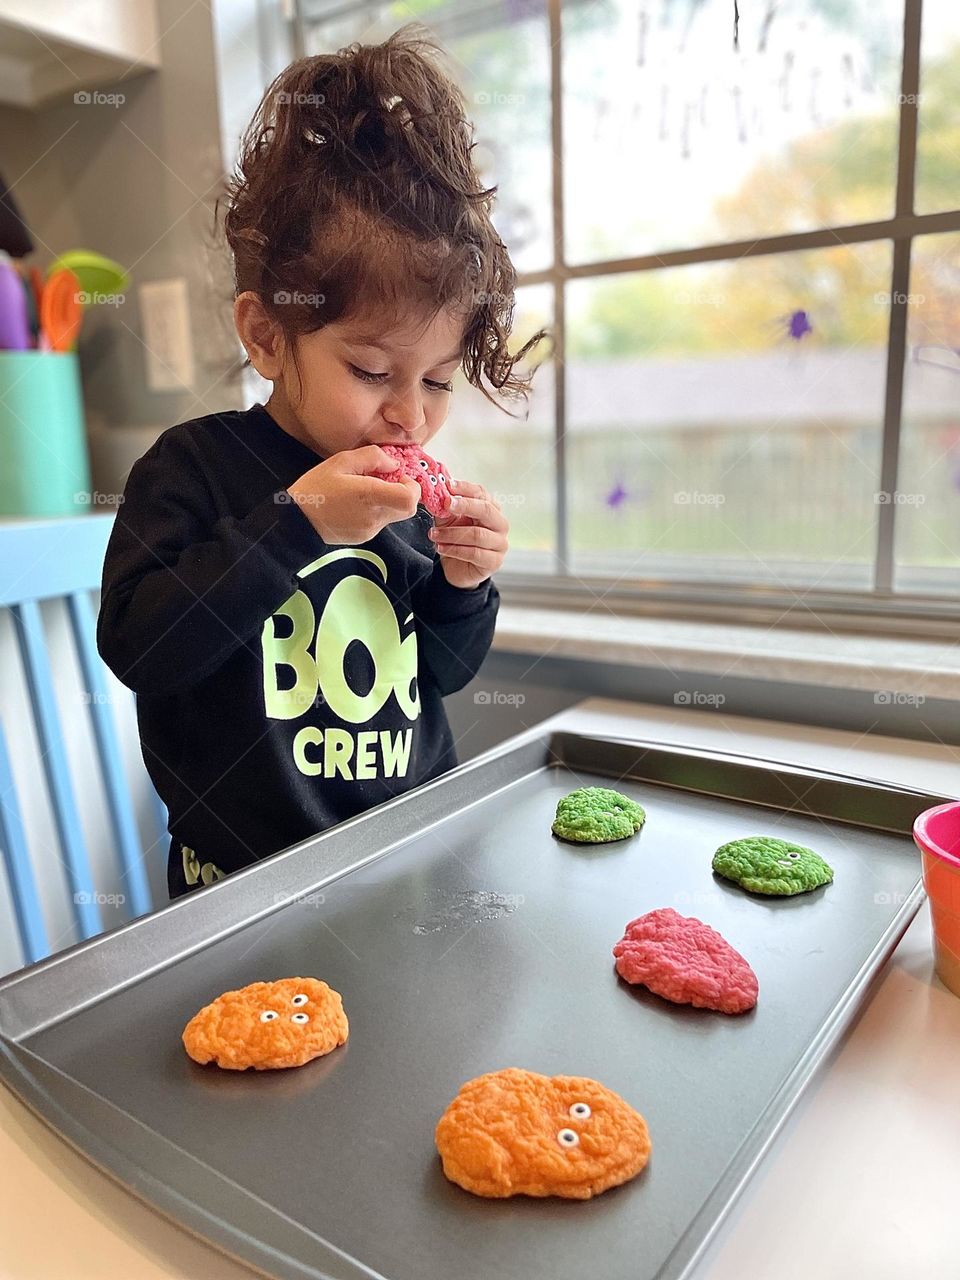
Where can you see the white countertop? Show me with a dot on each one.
(861, 1181)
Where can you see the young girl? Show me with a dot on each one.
(289, 622)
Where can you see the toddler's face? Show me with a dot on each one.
(361, 385)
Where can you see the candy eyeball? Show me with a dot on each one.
(568, 1138)
(269, 1015)
(793, 856)
(580, 1111)
(300, 1018)
(298, 999)
(421, 462)
(433, 479)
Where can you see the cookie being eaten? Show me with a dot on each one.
(430, 475)
(517, 1132)
(686, 961)
(594, 815)
(268, 1024)
(764, 864)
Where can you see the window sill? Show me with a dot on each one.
(928, 668)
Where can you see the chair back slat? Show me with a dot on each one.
(36, 664)
(62, 559)
(136, 888)
(23, 885)
(47, 559)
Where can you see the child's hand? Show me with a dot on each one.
(348, 508)
(471, 536)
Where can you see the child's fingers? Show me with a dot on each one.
(468, 489)
(393, 496)
(472, 535)
(481, 508)
(487, 561)
(357, 462)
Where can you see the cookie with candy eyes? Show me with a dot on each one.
(516, 1132)
(430, 475)
(594, 815)
(764, 864)
(268, 1024)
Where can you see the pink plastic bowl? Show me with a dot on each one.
(936, 833)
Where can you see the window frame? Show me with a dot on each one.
(879, 607)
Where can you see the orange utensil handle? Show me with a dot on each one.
(61, 310)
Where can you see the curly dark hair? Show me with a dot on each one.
(355, 194)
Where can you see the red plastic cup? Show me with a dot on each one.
(936, 833)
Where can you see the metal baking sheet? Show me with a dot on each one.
(465, 938)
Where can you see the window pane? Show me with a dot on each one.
(672, 138)
(499, 56)
(928, 490)
(938, 139)
(725, 419)
(513, 459)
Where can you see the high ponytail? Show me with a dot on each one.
(355, 192)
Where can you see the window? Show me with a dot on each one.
(749, 252)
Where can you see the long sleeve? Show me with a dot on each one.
(183, 589)
(454, 627)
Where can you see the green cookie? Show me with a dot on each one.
(764, 864)
(593, 815)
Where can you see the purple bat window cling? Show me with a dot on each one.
(798, 324)
(616, 496)
(791, 328)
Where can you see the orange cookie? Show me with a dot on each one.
(268, 1024)
(517, 1132)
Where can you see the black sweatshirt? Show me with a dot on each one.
(283, 685)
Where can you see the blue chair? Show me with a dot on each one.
(42, 560)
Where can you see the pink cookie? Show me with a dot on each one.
(430, 475)
(686, 961)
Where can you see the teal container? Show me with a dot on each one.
(44, 460)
